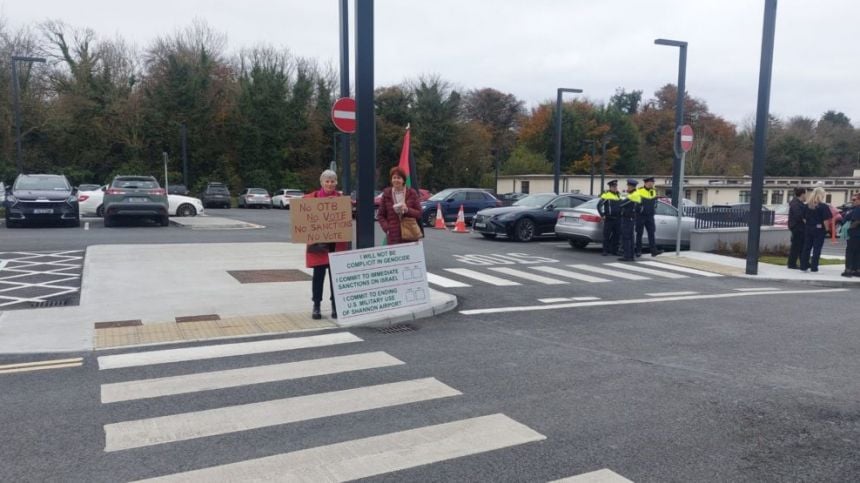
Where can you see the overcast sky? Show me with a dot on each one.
(530, 48)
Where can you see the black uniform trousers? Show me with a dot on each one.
(797, 239)
(628, 225)
(317, 284)
(611, 234)
(852, 255)
(643, 223)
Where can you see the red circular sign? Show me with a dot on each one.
(686, 137)
(343, 114)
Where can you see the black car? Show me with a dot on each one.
(529, 217)
(178, 189)
(37, 198)
(450, 200)
(215, 194)
(508, 199)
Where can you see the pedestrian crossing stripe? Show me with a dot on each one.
(444, 282)
(185, 354)
(570, 274)
(650, 271)
(231, 419)
(375, 455)
(678, 268)
(207, 381)
(607, 271)
(528, 276)
(482, 277)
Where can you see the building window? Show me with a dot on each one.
(687, 194)
(699, 197)
(744, 196)
(828, 199)
(524, 187)
(776, 197)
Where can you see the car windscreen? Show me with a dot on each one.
(41, 183)
(442, 195)
(220, 190)
(535, 201)
(135, 184)
(258, 191)
(589, 205)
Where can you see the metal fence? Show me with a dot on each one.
(708, 217)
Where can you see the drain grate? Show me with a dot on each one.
(396, 329)
(49, 303)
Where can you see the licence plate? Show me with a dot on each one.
(43, 211)
(480, 225)
(138, 200)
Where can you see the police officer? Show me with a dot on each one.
(609, 208)
(630, 207)
(645, 219)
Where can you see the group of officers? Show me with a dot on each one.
(623, 216)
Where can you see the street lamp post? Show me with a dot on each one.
(603, 161)
(557, 171)
(593, 154)
(16, 88)
(679, 113)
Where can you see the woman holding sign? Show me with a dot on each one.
(399, 210)
(316, 254)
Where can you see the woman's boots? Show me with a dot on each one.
(316, 315)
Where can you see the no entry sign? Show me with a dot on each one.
(686, 138)
(343, 114)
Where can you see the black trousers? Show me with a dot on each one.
(813, 240)
(319, 280)
(643, 223)
(611, 234)
(797, 238)
(852, 255)
(628, 225)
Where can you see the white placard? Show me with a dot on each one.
(380, 281)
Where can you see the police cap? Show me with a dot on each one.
(613, 182)
(632, 182)
(645, 180)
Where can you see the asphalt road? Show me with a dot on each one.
(699, 379)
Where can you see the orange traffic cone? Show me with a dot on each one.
(440, 221)
(460, 226)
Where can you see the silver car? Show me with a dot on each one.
(583, 225)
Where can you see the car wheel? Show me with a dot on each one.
(580, 244)
(429, 219)
(164, 221)
(100, 211)
(488, 236)
(524, 230)
(186, 210)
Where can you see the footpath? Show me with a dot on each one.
(155, 294)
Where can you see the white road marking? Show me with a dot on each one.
(376, 455)
(762, 289)
(231, 419)
(499, 310)
(207, 381)
(553, 301)
(568, 274)
(678, 268)
(482, 277)
(606, 271)
(583, 299)
(528, 276)
(146, 358)
(41, 363)
(670, 294)
(3, 263)
(600, 476)
(444, 282)
(650, 271)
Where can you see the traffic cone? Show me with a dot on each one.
(440, 221)
(460, 225)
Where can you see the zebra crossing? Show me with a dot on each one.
(554, 275)
(340, 461)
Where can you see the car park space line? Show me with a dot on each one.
(568, 274)
(444, 282)
(678, 268)
(554, 301)
(606, 271)
(650, 271)
(528, 276)
(600, 476)
(670, 294)
(762, 289)
(482, 277)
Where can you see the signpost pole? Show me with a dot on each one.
(365, 121)
(683, 143)
(680, 205)
(344, 91)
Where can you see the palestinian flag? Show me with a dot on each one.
(407, 162)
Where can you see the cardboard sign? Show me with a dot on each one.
(321, 220)
(388, 280)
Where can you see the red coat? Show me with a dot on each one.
(316, 259)
(388, 218)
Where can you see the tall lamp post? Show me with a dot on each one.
(557, 171)
(603, 161)
(16, 88)
(593, 154)
(679, 113)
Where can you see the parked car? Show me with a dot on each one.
(178, 189)
(135, 196)
(35, 198)
(529, 217)
(737, 206)
(283, 196)
(583, 225)
(91, 204)
(473, 200)
(780, 215)
(215, 195)
(88, 187)
(255, 197)
(509, 199)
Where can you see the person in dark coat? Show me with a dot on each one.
(816, 214)
(316, 254)
(796, 226)
(630, 208)
(609, 208)
(397, 202)
(852, 250)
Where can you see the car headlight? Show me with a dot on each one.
(11, 200)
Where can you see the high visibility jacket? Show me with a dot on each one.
(609, 205)
(631, 205)
(649, 200)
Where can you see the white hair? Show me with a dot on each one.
(328, 174)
